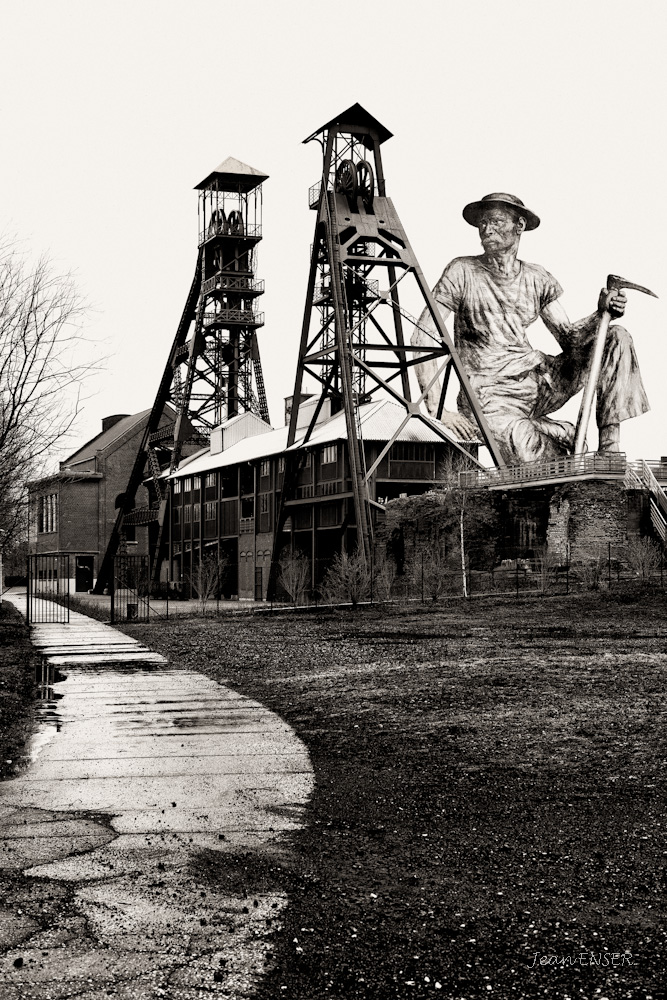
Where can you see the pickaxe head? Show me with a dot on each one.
(615, 281)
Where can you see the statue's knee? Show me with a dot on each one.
(620, 336)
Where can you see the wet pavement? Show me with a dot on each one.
(121, 843)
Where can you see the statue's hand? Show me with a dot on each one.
(460, 426)
(613, 301)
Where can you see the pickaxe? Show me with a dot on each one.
(614, 283)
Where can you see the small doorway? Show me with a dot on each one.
(259, 590)
(83, 579)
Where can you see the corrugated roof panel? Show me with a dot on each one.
(379, 421)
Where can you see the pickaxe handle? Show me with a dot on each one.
(591, 383)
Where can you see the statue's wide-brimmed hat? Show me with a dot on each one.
(472, 211)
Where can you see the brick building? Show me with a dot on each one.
(74, 509)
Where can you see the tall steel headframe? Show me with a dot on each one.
(213, 371)
(353, 337)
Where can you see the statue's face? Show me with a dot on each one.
(499, 229)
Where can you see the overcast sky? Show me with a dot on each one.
(111, 113)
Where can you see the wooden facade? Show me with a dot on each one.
(230, 512)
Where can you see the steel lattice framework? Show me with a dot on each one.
(353, 342)
(213, 371)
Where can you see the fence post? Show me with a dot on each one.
(422, 577)
(112, 590)
(609, 568)
(27, 590)
(516, 573)
(372, 574)
(567, 568)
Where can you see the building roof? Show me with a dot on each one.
(355, 115)
(233, 175)
(105, 439)
(378, 420)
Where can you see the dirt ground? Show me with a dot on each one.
(489, 814)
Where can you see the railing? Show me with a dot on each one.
(142, 515)
(225, 317)
(314, 193)
(230, 232)
(658, 469)
(641, 474)
(226, 283)
(590, 463)
(324, 489)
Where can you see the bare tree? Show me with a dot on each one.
(206, 579)
(43, 364)
(643, 556)
(384, 573)
(546, 561)
(348, 579)
(294, 573)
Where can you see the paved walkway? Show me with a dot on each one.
(151, 794)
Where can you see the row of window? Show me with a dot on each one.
(194, 513)
(401, 451)
(193, 482)
(187, 484)
(47, 513)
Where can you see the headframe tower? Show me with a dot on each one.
(213, 371)
(353, 336)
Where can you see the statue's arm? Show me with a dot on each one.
(425, 334)
(582, 331)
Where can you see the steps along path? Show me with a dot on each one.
(128, 845)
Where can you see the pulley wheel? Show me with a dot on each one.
(235, 222)
(346, 179)
(365, 182)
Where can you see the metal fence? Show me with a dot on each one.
(425, 576)
(130, 589)
(48, 588)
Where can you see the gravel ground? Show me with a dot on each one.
(489, 812)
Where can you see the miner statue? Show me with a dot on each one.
(494, 298)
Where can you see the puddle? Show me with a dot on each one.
(46, 677)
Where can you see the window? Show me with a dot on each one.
(210, 479)
(410, 451)
(265, 467)
(264, 503)
(187, 484)
(281, 465)
(209, 512)
(47, 517)
(329, 454)
(177, 486)
(187, 514)
(196, 512)
(176, 515)
(328, 515)
(305, 461)
(196, 483)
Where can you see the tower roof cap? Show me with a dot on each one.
(358, 122)
(233, 175)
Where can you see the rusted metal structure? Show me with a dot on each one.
(353, 337)
(213, 371)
